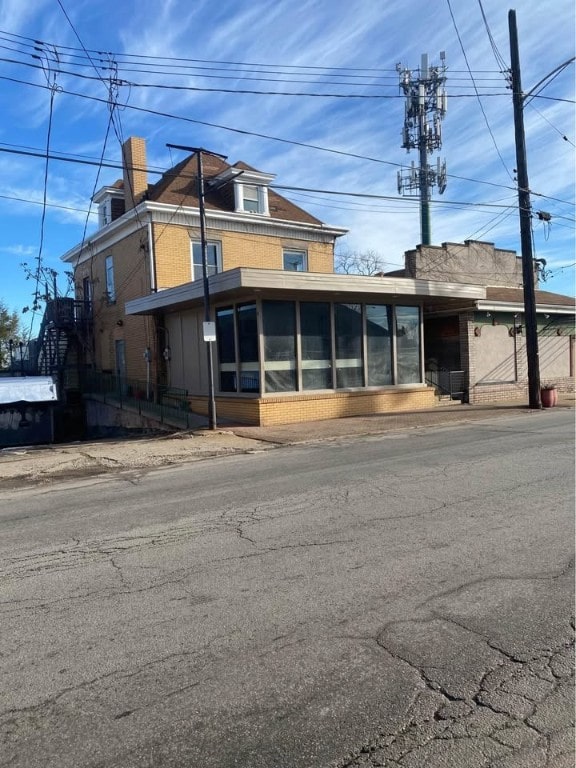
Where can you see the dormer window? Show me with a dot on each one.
(110, 202)
(251, 198)
(250, 188)
(105, 213)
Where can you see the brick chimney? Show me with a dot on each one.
(135, 174)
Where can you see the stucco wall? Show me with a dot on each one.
(470, 262)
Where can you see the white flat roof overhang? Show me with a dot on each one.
(244, 281)
(507, 306)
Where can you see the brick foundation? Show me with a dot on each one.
(291, 409)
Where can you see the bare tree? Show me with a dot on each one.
(9, 331)
(356, 263)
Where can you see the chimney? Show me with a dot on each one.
(135, 174)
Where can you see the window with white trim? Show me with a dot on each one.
(251, 198)
(213, 259)
(104, 213)
(295, 261)
(110, 289)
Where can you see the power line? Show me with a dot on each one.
(248, 91)
(551, 124)
(93, 53)
(31, 152)
(477, 93)
(497, 55)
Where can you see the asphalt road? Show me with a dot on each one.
(404, 599)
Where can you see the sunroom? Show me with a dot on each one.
(300, 346)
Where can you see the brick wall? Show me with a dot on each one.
(131, 280)
(291, 409)
(135, 175)
(173, 252)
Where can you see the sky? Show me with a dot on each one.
(309, 92)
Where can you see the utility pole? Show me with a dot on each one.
(426, 103)
(209, 335)
(525, 221)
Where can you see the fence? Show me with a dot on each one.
(167, 405)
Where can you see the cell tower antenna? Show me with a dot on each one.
(426, 104)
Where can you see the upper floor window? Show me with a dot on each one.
(87, 294)
(251, 198)
(110, 289)
(110, 201)
(104, 213)
(213, 259)
(295, 261)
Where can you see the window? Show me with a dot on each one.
(87, 295)
(248, 347)
(379, 344)
(316, 344)
(251, 198)
(348, 331)
(295, 261)
(408, 345)
(226, 348)
(213, 259)
(110, 290)
(279, 328)
(104, 215)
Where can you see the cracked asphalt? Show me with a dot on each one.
(400, 599)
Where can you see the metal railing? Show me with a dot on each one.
(167, 405)
(447, 383)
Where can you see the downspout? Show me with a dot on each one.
(153, 278)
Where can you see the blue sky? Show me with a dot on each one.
(347, 49)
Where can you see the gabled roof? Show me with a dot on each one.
(179, 186)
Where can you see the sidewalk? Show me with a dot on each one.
(24, 466)
(379, 423)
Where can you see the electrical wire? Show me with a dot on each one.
(247, 91)
(497, 55)
(477, 93)
(551, 124)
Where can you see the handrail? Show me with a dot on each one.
(447, 382)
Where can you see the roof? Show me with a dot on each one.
(27, 389)
(311, 286)
(179, 186)
(516, 296)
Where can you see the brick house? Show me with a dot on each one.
(294, 340)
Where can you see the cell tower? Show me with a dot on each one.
(426, 103)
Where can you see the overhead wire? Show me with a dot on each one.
(116, 124)
(51, 80)
(248, 91)
(504, 67)
(477, 92)
(273, 138)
